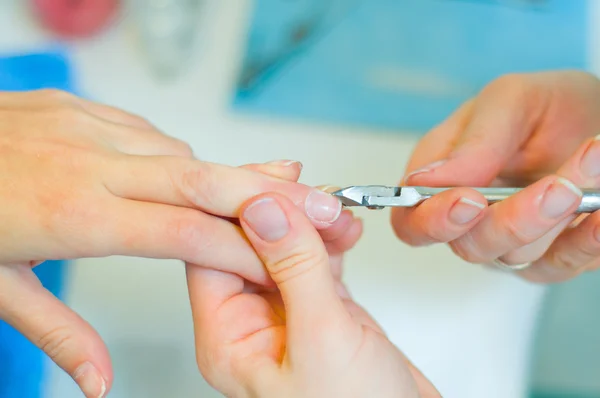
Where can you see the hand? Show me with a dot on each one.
(519, 129)
(80, 179)
(307, 338)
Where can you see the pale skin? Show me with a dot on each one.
(305, 338)
(536, 129)
(308, 338)
(80, 179)
(272, 316)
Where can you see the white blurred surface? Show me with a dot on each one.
(467, 328)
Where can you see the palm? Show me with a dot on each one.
(260, 328)
(256, 328)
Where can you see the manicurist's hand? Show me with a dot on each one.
(306, 338)
(535, 130)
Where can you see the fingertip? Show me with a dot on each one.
(339, 227)
(441, 218)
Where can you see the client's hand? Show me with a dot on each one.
(307, 338)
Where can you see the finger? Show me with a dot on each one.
(66, 338)
(297, 261)
(288, 170)
(337, 248)
(575, 249)
(340, 227)
(583, 170)
(442, 218)
(503, 118)
(519, 220)
(168, 232)
(212, 298)
(213, 188)
(345, 241)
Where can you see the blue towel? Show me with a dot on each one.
(22, 364)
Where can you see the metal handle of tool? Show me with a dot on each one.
(590, 202)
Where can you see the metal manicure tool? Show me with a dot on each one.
(378, 197)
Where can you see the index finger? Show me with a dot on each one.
(213, 188)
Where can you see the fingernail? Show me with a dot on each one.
(89, 379)
(322, 207)
(328, 188)
(559, 198)
(425, 169)
(267, 219)
(590, 162)
(465, 210)
(285, 163)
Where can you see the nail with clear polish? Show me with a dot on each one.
(322, 207)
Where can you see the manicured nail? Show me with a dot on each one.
(322, 207)
(426, 169)
(328, 188)
(285, 163)
(89, 379)
(590, 162)
(267, 219)
(465, 210)
(559, 198)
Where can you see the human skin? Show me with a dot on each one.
(536, 130)
(80, 179)
(304, 338)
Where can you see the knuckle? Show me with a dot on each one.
(55, 95)
(403, 227)
(514, 234)
(466, 248)
(195, 184)
(432, 233)
(66, 118)
(187, 233)
(564, 260)
(56, 342)
(296, 264)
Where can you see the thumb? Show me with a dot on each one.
(66, 338)
(296, 258)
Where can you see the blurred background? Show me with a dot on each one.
(347, 87)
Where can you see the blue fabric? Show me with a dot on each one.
(398, 65)
(22, 364)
